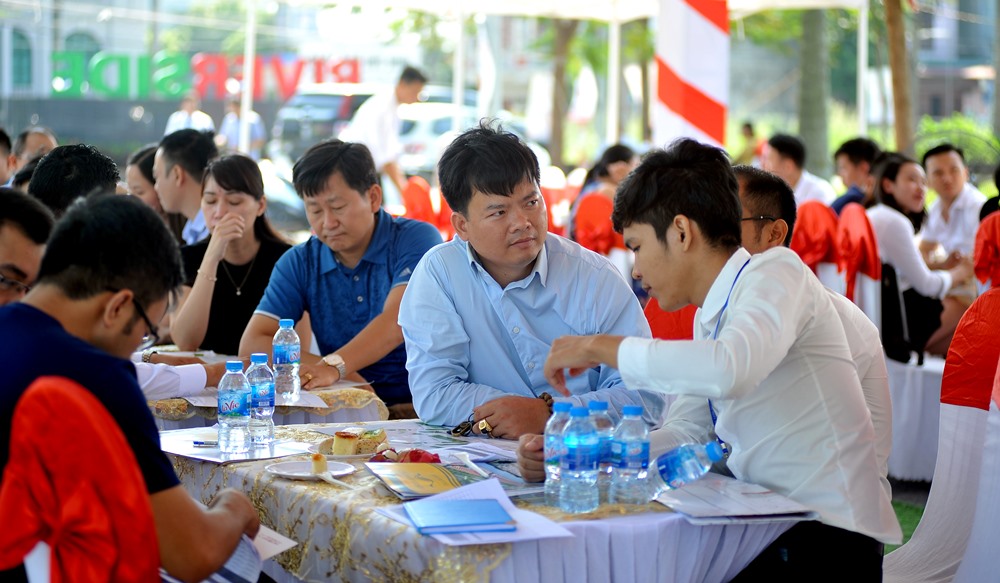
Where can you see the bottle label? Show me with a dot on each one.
(286, 354)
(580, 458)
(631, 455)
(263, 395)
(234, 404)
(605, 450)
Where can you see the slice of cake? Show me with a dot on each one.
(318, 463)
(369, 441)
(346, 442)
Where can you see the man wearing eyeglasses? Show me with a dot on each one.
(95, 302)
(25, 225)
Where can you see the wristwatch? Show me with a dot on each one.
(337, 362)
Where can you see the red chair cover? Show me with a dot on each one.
(417, 200)
(858, 248)
(815, 235)
(444, 220)
(970, 367)
(548, 195)
(593, 224)
(73, 482)
(987, 253)
(677, 325)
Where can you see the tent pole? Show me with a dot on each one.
(614, 79)
(862, 69)
(249, 63)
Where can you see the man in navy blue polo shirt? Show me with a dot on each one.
(349, 276)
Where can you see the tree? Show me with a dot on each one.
(814, 91)
(902, 104)
(564, 30)
(223, 30)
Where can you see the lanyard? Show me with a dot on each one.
(715, 336)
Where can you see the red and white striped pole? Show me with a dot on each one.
(692, 61)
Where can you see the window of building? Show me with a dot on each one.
(83, 42)
(21, 61)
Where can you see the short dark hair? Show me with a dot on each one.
(412, 75)
(767, 194)
(190, 149)
(487, 159)
(887, 168)
(69, 172)
(5, 143)
(989, 207)
(239, 173)
(942, 149)
(789, 147)
(107, 242)
(352, 160)
(21, 141)
(143, 160)
(23, 176)
(688, 178)
(859, 150)
(26, 213)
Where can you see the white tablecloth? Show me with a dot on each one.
(916, 407)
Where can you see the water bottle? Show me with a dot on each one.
(234, 409)
(630, 452)
(287, 351)
(605, 431)
(261, 400)
(578, 470)
(684, 464)
(554, 450)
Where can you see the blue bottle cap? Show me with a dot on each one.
(579, 412)
(258, 358)
(632, 410)
(597, 405)
(234, 366)
(286, 323)
(562, 407)
(714, 450)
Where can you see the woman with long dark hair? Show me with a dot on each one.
(931, 316)
(227, 272)
(590, 216)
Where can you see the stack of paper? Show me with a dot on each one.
(717, 499)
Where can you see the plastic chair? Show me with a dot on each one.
(858, 253)
(72, 483)
(939, 542)
(417, 200)
(814, 238)
(987, 252)
(677, 325)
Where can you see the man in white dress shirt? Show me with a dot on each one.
(189, 117)
(954, 217)
(376, 124)
(770, 365)
(786, 156)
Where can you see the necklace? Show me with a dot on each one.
(242, 283)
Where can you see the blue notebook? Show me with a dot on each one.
(456, 516)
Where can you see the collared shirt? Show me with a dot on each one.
(894, 234)
(958, 233)
(853, 194)
(812, 187)
(195, 229)
(182, 120)
(230, 129)
(469, 341)
(788, 397)
(342, 301)
(376, 124)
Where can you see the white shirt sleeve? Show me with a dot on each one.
(897, 248)
(163, 381)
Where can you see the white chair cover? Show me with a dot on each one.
(916, 405)
(980, 562)
(831, 278)
(936, 548)
(868, 297)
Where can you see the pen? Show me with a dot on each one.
(206, 444)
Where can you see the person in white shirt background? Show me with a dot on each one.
(770, 359)
(189, 117)
(785, 156)
(376, 124)
(228, 138)
(950, 230)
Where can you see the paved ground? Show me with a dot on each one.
(910, 492)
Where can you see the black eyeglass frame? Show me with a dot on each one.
(13, 284)
(153, 335)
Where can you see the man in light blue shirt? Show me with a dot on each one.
(481, 312)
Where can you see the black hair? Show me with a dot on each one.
(789, 147)
(486, 159)
(412, 75)
(26, 213)
(616, 153)
(5, 143)
(21, 141)
(887, 168)
(190, 149)
(69, 172)
(688, 178)
(107, 242)
(942, 149)
(143, 160)
(239, 173)
(989, 207)
(353, 161)
(766, 194)
(859, 150)
(748, 126)
(23, 176)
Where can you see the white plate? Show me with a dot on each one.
(303, 470)
(359, 456)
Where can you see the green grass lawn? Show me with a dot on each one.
(908, 515)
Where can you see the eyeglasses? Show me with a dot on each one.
(153, 336)
(759, 218)
(8, 284)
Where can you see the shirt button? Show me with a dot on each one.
(531, 366)
(357, 278)
(516, 330)
(361, 299)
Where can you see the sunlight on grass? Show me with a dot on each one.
(909, 516)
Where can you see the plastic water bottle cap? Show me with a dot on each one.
(632, 410)
(286, 323)
(258, 358)
(597, 406)
(562, 407)
(234, 366)
(579, 412)
(714, 451)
